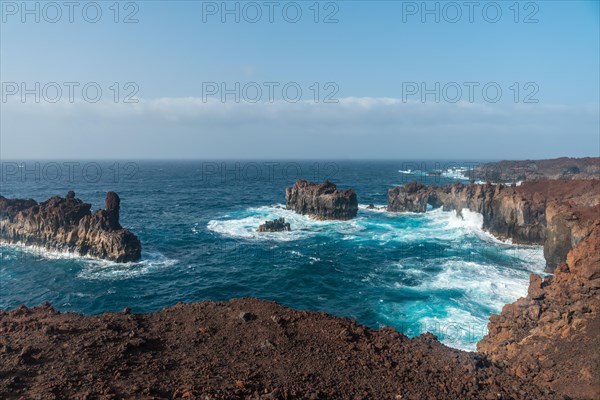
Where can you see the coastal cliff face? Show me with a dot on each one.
(552, 213)
(67, 224)
(321, 201)
(553, 334)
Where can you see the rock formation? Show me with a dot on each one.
(67, 224)
(540, 212)
(321, 201)
(412, 197)
(277, 225)
(553, 334)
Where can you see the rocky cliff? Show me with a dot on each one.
(67, 224)
(321, 201)
(553, 334)
(552, 213)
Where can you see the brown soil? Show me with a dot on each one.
(232, 350)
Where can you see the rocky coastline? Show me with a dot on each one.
(66, 224)
(562, 168)
(321, 201)
(556, 213)
(543, 346)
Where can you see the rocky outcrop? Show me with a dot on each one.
(240, 349)
(412, 197)
(541, 212)
(553, 334)
(277, 225)
(67, 224)
(534, 170)
(321, 201)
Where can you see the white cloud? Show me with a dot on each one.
(356, 127)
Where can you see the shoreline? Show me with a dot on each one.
(259, 349)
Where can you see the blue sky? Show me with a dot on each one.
(369, 56)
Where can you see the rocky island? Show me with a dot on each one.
(68, 225)
(321, 201)
(277, 225)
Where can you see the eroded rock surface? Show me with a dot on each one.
(553, 334)
(240, 349)
(321, 201)
(67, 224)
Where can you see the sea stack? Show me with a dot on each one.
(67, 224)
(321, 201)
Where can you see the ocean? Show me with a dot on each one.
(197, 223)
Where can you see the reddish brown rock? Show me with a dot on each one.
(240, 349)
(553, 334)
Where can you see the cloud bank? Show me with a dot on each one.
(354, 128)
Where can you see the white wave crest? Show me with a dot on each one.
(112, 271)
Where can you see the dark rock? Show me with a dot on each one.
(276, 225)
(321, 201)
(412, 197)
(246, 316)
(67, 224)
(112, 206)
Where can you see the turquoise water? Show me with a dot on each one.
(197, 221)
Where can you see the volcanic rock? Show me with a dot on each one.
(67, 224)
(276, 225)
(321, 201)
(236, 350)
(553, 334)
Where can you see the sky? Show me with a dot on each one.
(305, 79)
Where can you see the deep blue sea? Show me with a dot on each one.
(197, 222)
